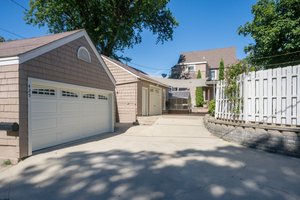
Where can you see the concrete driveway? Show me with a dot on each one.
(176, 158)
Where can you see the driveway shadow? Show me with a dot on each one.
(222, 173)
(120, 128)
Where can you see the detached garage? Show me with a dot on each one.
(57, 88)
(136, 93)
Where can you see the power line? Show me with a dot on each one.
(147, 67)
(18, 4)
(277, 55)
(295, 61)
(15, 34)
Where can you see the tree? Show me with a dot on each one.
(276, 33)
(2, 39)
(164, 75)
(113, 25)
(199, 93)
(221, 70)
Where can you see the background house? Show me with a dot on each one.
(57, 88)
(207, 62)
(136, 93)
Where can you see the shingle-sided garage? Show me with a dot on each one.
(57, 88)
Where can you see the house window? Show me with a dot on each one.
(88, 96)
(212, 74)
(83, 54)
(102, 97)
(191, 68)
(43, 92)
(68, 94)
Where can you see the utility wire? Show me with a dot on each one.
(15, 34)
(295, 61)
(18, 4)
(277, 55)
(147, 67)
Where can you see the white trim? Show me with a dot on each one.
(53, 45)
(147, 92)
(48, 47)
(99, 57)
(29, 117)
(88, 53)
(161, 84)
(192, 63)
(120, 67)
(9, 61)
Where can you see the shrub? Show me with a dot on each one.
(211, 107)
(199, 93)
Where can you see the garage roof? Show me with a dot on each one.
(18, 47)
(19, 51)
(136, 72)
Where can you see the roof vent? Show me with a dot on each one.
(83, 54)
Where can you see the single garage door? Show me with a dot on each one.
(155, 101)
(60, 113)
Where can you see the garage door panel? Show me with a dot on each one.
(38, 139)
(57, 119)
(43, 124)
(69, 107)
(44, 106)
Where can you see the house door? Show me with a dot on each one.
(145, 101)
(155, 100)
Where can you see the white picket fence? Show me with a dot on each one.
(268, 96)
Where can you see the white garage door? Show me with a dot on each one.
(60, 113)
(155, 101)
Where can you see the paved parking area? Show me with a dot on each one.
(175, 158)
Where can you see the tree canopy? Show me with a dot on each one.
(2, 39)
(113, 25)
(276, 33)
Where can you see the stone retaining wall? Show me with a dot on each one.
(278, 139)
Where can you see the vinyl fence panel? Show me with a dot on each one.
(267, 96)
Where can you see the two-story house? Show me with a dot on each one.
(207, 62)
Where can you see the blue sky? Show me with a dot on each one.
(202, 25)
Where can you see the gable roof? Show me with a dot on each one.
(133, 71)
(212, 57)
(181, 83)
(19, 51)
(18, 47)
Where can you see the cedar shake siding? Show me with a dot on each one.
(9, 111)
(60, 65)
(126, 102)
(129, 83)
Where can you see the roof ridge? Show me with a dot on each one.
(196, 51)
(43, 36)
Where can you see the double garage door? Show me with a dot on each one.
(60, 113)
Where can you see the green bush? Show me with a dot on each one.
(199, 93)
(7, 162)
(211, 107)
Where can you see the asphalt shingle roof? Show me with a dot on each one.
(18, 47)
(135, 71)
(212, 57)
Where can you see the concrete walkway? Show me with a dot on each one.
(176, 158)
